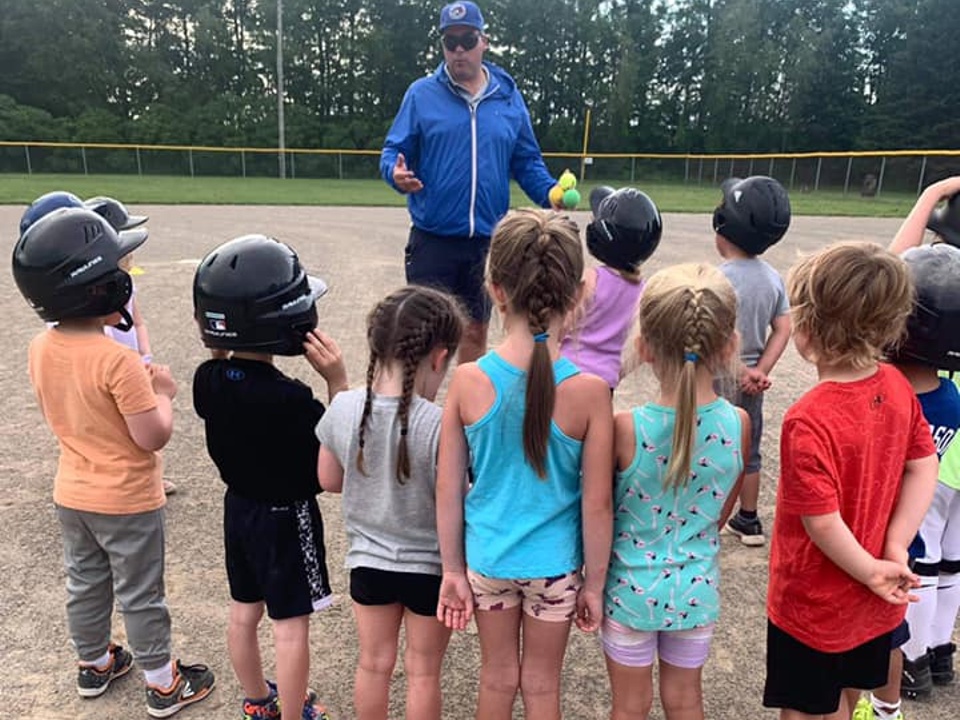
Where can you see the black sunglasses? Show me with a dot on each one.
(468, 41)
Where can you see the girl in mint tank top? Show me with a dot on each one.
(679, 467)
(525, 548)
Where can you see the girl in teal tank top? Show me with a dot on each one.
(679, 466)
(526, 548)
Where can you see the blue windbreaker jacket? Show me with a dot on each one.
(465, 158)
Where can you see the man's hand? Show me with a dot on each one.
(404, 178)
(753, 381)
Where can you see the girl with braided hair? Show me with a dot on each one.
(379, 448)
(679, 467)
(528, 544)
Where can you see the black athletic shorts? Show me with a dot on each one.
(417, 592)
(275, 554)
(810, 681)
(453, 264)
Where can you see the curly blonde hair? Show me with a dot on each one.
(851, 301)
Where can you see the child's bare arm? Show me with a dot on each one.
(596, 503)
(151, 430)
(329, 471)
(734, 495)
(455, 606)
(911, 230)
(916, 494)
(890, 580)
(325, 357)
(140, 328)
(776, 343)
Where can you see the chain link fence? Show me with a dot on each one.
(864, 173)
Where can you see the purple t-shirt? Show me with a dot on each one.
(596, 345)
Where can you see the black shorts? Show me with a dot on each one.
(810, 681)
(900, 635)
(453, 264)
(275, 554)
(417, 592)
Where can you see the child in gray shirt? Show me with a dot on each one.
(754, 214)
(379, 448)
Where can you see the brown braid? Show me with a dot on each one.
(537, 259)
(407, 326)
(687, 318)
(367, 407)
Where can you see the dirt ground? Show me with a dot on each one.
(358, 251)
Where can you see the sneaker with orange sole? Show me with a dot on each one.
(191, 683)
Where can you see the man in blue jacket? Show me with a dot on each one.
(459, 136)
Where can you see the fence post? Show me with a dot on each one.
(923, 170)
(846, 181)
(190, 157)
(686, 170)
(26, 151)
(750, 168)
(816, 181)
(700, 173)
(633, 168)
(139, 161)
(293, 165)
(339, 166)
(83, 157)
(770, 171)
(793, 172)
(243, 163)
(883, 168)
(730, 174)
(716, 165)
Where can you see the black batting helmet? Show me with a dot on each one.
(945, 221)
(933, 329)
(252, 294)
(66, 266)
(626, 229)
(754, 213)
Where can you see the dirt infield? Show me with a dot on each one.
(358, 252)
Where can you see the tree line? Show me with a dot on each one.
(658, 75)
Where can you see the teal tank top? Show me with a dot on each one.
(518, 525)
(663, 571)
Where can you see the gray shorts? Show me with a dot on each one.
(753, 405)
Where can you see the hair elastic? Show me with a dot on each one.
(541, 337)
(691, 357)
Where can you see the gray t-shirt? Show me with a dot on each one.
(761, 299)
(391, 526)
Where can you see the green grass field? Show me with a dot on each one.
(174, 190)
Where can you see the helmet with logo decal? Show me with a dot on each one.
(252, 294)
(47, 203)
(945, 221)
(66, 266)
(626, 229)
(754, 214)
(933, 330)
(115, 213)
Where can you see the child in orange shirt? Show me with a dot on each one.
(108, 489)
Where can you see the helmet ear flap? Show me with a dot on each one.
(719, 220)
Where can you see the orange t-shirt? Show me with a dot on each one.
(86, 383)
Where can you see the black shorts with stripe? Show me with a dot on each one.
(275, 554)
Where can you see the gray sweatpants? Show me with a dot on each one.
(122, 556)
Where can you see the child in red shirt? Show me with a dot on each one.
(858, 470)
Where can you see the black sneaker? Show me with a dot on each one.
(93, 681)
(191, 683)
(916, 679)
(941, 664)
(750, 532)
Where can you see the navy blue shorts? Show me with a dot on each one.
(275, 555)
(453, 264)
(810, 681)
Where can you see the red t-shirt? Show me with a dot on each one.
(843, 447)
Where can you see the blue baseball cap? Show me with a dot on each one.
(461, 13)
